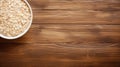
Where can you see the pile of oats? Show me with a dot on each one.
(14, 17)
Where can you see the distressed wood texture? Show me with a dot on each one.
(67, 33)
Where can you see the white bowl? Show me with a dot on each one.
(20, 35)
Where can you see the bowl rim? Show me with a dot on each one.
(26, 30)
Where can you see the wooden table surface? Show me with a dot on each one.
(67, 33)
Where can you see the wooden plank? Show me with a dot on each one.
(43, 35)
(94, 5)
(76, 27)
(60, 64)
(38, 50)
(103, 12)
(45, 52)
(81, 17)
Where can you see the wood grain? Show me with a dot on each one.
(67, 33)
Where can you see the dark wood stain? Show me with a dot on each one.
(67, 33)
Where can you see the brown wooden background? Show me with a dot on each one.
(67, 33)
